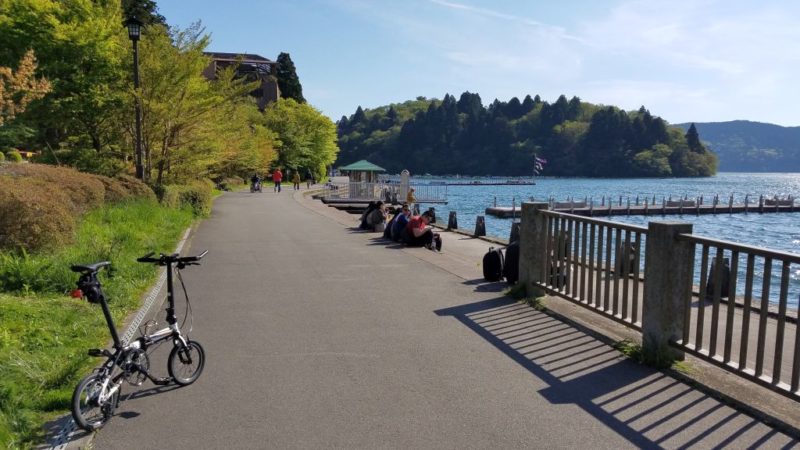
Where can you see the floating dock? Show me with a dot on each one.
(499, 183)
(647, 210)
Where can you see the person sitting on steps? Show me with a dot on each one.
(418, 233)
(376, 219)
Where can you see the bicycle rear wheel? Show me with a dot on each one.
(87, 409)
(185, 364)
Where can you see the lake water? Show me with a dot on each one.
(774, 231)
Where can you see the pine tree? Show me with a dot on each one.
(288, 82)
(693, 140)
(144, 10)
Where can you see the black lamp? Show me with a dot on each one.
(134, 33)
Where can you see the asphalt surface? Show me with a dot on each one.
(320, 336)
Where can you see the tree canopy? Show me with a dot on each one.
(462, 136)
(288, 82)
(306, 139)
(76, 107)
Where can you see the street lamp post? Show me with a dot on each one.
(134, 32)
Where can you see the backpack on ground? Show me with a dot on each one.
(511, 266)
(493, 264)
(387, 232)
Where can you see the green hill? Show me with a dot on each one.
(462, 136)
(744, 146)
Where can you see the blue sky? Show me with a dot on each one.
(684, 60)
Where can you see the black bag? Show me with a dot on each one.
(493, 264)
(387, 232)
(511, 266)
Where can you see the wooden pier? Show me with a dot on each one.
(676, 207)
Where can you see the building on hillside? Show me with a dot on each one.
(251, 67)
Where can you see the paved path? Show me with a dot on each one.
(318, 336)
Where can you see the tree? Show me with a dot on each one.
(306, 139)
(288, 82)
(693, 140)
(78, 45)
(144, 10)
(18, 89)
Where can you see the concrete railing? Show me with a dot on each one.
(663, 281)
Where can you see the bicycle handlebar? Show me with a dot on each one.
(163, 259)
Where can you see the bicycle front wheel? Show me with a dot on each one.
(89, 412)
(185, 364)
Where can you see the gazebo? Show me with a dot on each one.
(363, 171)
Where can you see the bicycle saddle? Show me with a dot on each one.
(90, 267)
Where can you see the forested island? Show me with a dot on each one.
(576, 138)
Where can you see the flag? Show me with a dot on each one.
(540, 160)
(537, 165)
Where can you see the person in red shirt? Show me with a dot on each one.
(418, 233)
(277, 177)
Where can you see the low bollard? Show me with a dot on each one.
(514, 236)
(432, 214)
(480, 226)
(452, 222)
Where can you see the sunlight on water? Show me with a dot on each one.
(773, 231)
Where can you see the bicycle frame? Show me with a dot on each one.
(101, 390)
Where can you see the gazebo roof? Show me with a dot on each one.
(363, 166)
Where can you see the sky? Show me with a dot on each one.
(683, 60)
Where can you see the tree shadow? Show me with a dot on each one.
(646, 407)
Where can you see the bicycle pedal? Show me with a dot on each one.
(161, 381)
(96, 352)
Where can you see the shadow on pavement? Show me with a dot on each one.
(644, 406)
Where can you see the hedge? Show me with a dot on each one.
(14, 156)
(34, 214)
(196, 195)
(39, 204)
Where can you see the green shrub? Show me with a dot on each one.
(136, 187)
(197, 196)
(2, 157)
(34, 214)
(115, 190)
(14, 156)
(230, 183)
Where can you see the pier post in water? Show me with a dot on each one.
(533, 247)
(669, 266)
(480, 226)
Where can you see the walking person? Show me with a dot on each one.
(309, 179)
(296, 180)
(277, 177)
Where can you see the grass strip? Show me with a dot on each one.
(44, 334)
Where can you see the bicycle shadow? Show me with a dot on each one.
(644, 406)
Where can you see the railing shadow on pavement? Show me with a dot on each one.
(647, 407)
(482, 285)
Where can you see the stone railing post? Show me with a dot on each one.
(669, 266)
(532, 248)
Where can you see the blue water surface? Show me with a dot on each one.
(775, 231)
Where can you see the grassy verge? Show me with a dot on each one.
(44, 334)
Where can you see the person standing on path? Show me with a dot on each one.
(296, 180)
(309, 179)
(277, 177)
(410, 198)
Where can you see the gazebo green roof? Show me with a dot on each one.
(363, 166)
